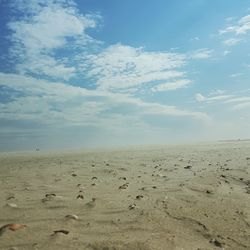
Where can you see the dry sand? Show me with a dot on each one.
(169, 197)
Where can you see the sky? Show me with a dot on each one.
(95, 73)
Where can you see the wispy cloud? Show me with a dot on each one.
(122, 67)
(201, 54)
(238, 99)
(240, 106)
(241, 27)
(211, 99)
(235, 75)
(171, 85)
(235, 101)
(226, 52)
(232, 41)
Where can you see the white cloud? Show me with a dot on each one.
(212, 99)
(201, 54)
(240, 106)
(229, 19)
(232, 41)
(226, 52)
(195, 39)
(241, 27)
(218, 92)
(238, 99)
(235, 75)
(218, 98)
(199, 97)
(171, 85)
(50, 45)
(158, 109)
(235, 102)
(58, 103)
(46, 27)
(120, 66)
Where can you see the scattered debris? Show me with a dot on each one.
(123, 178)
(138, 197)
(49, 197)
(216, 243)
(130, 207)
(124, 186)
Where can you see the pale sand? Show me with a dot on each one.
(205, 206)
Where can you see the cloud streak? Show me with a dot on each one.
(171, 85)
(201, 54)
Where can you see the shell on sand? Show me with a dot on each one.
(13, 205)
(12, 227)
(72, 216)
(61, 231)
(15, 227)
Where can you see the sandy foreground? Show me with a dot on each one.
(169, 197)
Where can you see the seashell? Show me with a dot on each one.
(15, 227)
(50, 195)
(72, 216)
(61, 231)
(13, 205)
(12, 227)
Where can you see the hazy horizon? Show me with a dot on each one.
(116, 73)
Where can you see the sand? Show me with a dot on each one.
(162, 197)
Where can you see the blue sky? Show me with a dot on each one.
(103, 73)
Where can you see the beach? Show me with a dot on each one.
(194, 197)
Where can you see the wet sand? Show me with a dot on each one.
(163, 197)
